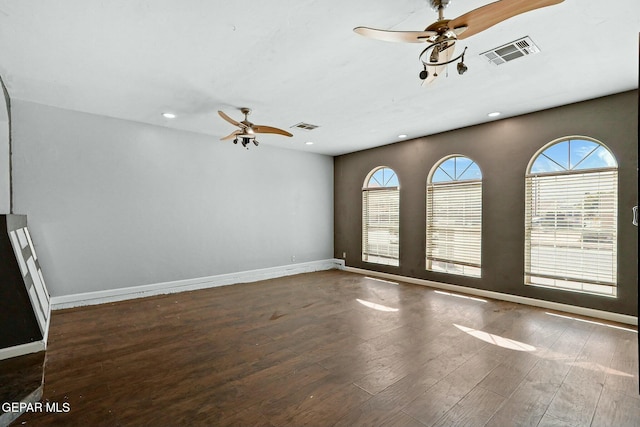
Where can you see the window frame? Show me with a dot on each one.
(589, 234)
(387, 254)
(471, 236)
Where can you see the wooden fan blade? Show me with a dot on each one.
(459, 30)
(395, 36)
(269, 129)
(489, 15)
(435, 71)
(229, 119)
(231, 135)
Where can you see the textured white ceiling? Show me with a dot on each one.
(297, 61)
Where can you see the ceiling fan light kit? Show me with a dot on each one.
(443, 34)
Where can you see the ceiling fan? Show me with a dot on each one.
(442, 35)
(247, 132)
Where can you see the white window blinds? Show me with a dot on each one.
(381, 225)
(454, 227)
(571, 230)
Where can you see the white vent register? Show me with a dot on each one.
(510, 51)
(305, 126)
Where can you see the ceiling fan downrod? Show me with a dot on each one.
(439, 5)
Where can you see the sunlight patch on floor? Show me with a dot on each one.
(460, 296)
(597, 367)
(496, 339)
(376, 306)
(381, 280)
(593, 322)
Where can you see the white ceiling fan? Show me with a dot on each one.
(442, 35)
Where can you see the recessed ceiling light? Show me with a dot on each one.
(402, 136)
(168, 115)
(309, 143)
(494, 114)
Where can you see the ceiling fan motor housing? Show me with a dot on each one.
(437, 4)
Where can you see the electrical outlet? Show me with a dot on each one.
(293, 258)
(344, 255)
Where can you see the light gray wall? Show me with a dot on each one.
(114, 204)
(502, 149)
(4, 154)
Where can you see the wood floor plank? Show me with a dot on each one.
(576, 400)
(622, 374)
(316, 350)
(416, 384)
(20, 376)
(436, 401)
(328, 400)
(250, 417)
(534, 330)
(373, 412)
(550, 421)
(400, 419)
(474, 409)
(527, 405)
(616, 409)
(507, 376)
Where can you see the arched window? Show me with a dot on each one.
(381, 217)
(571, 217)
(454, 217)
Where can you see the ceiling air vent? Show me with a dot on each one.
(304, 126)
(508, 52)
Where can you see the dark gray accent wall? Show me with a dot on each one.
(502, 149)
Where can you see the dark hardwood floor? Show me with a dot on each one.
(335, 348)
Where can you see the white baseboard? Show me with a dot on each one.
(112, 295)
(22, 349)
(120, 294)
(582, 311)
